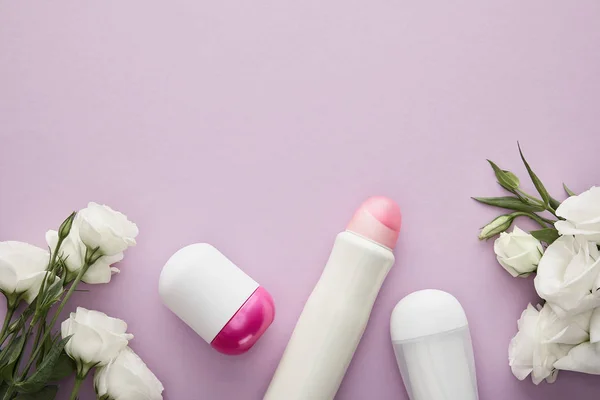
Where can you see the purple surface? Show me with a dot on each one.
(260, 126)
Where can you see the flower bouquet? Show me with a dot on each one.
(563, 331)
(33, 356)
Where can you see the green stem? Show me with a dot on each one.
(15, 329)
(18, 326)
(78, 382)
(82, 271)
(20, 357)
(9, 393)
(548, 221)
(530, 197)
(537, 201)
(533, 216)
(55, 254)
(50, 270)
(550, 210)
(10, 311)
(538, 219)
(40, 332)
(36, 341)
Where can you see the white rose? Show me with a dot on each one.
(595, 326)
(109, 230)
(586, 356)
(73, 250)
(530, 351)
(96, 338)
(518, 252)
(567, 276)
(571, 330)
(583, 358)
(22, 270)
(582, 214)
(127, 378)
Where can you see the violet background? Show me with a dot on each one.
(260, 126)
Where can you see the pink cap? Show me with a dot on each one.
(247, 325)
(378, 219)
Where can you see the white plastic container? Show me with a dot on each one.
(335, 316)
(225, 307)
(432, 343)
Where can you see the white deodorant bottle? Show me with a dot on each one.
(432, 343)
(335, 315)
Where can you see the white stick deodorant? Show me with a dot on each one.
(431, 339)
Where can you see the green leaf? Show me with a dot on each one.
(47, 393)
(569, 191)
(10, 356)
(506, 179)
(536, 181)
(47, 344)
(52, 294)
(42, 375)
(12, 352)
(554, 203)
(510, 203)
(547, 235)
(64, 367)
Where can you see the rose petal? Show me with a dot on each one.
(98, 273)
(583, 358)
(581, 208)
(85, 344)
(8, 278)
(595, 326)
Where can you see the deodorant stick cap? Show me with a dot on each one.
(215, 298)
(424, 313)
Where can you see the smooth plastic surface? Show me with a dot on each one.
(432, 343)
(204, 288)
(247, 325)
(424, 313)
(332, 322)
(378, 219)
(438, 367)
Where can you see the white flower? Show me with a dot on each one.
(73, 251)
(96, 338)
(567, 276)
(530, 351)
(571, 330)
(582, 214)
(518, 252)
(583, 358)
(22, 269)
(109, 230)
(595, 326)
(127, 378)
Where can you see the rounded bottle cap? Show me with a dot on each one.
(424, 313)
(204, 288)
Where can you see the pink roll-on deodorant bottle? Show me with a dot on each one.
(226, 307)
